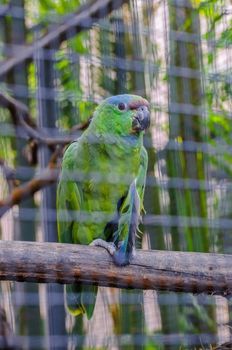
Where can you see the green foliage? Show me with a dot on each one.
(73, 108)
(220, 125)
(7, 149)
(220, 129)
(225, 39)
(215, 15)
(72, 104)
(49, 9)
(218, 91)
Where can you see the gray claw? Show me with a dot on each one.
(133, 254)
(109, 246)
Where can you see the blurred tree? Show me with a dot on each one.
(186, 128)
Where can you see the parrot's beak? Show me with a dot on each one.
(141, 119)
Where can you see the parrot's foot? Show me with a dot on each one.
(109, 246)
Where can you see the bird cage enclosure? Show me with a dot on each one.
(58, 61)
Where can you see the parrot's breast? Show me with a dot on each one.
(109, 182)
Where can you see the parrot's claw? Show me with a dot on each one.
(133, 254)
(109, 246)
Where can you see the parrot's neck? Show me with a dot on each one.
(116, 144)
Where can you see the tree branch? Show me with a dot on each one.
(160, 270)
(21, 117)
(20, 193)
(46, 178)
(8, 172)
(73, 24)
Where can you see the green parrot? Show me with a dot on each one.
(101, 187)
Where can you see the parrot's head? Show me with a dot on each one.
(123, 114)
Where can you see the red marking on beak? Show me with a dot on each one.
(138, 103)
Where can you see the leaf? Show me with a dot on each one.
(226, 37)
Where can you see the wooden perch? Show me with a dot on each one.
(83, 19)
(160, 270)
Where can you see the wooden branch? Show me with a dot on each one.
(46, 178)
(73, 24)
(8, 173)
(21, 117)
(19, 111)
(20, 193)
(160, 270)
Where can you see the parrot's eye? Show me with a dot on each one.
(121, 106)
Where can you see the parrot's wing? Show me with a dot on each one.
(129, 215)
(141, 178)
(78, 298)
(68, 207)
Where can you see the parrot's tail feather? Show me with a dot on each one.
(80, 299)
(73, 300)
(124, 254)
(74, 312)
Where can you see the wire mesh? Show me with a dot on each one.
(177, 54)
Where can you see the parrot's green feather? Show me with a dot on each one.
(127, 226)
(101, 187)
(68, 203)
(80, 299)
